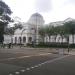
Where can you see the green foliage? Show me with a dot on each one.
(42, 32)
(49, 30)
(5, 12)
(4, 8)
(70, 27)
(18, 25)
(10, 31)
(4, 18)
(52, 45)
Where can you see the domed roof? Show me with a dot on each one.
(36, 14)
(36, 19)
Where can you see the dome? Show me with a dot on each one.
(36, 19)
(37, 15)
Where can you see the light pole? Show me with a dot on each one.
(36, 30)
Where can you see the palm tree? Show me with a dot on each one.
(55, 31)
(67, 32)
(70, 28)
(61, 32)
(49, 31)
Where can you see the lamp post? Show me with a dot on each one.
(36, 31)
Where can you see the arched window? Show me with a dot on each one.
(24, 39)
(15, 40)
(30, 39)
(20, 40)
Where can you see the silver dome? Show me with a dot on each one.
(36, 19)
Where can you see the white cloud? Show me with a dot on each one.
(21, 8)
(43, 5)
(52, 10)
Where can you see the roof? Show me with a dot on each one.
(36, 14)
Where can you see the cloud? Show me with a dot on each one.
(70, 2)
(43, 5)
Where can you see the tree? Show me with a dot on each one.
(10, 31)
(49, 31)
(70, 28)
(18, 25)
(55, 31)
(61, 31)
(4, 18)
(42, 33)
(46, 31)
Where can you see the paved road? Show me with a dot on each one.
(31, 62)
(17, 64)
(56, 66)
(65, 66)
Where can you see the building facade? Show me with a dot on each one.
(29, 33)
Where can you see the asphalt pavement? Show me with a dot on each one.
(13, 65)
(36, 62)
(65, 66)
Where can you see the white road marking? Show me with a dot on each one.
(25, 56)
(22, 70)
(10, 58)
(56, 59)
(42, 63)
(45, 54)
(10, 74)
(27, 68)
(17, 73)
(38, 65)
(32, 67)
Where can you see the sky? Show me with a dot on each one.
(51, 10)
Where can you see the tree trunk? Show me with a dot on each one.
(73, 38)
(68, 43)
(55, 38)
(62, 38)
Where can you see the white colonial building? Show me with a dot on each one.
(29, 32)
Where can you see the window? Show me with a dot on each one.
(30, 39)
(20, 40)
(24, 39)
